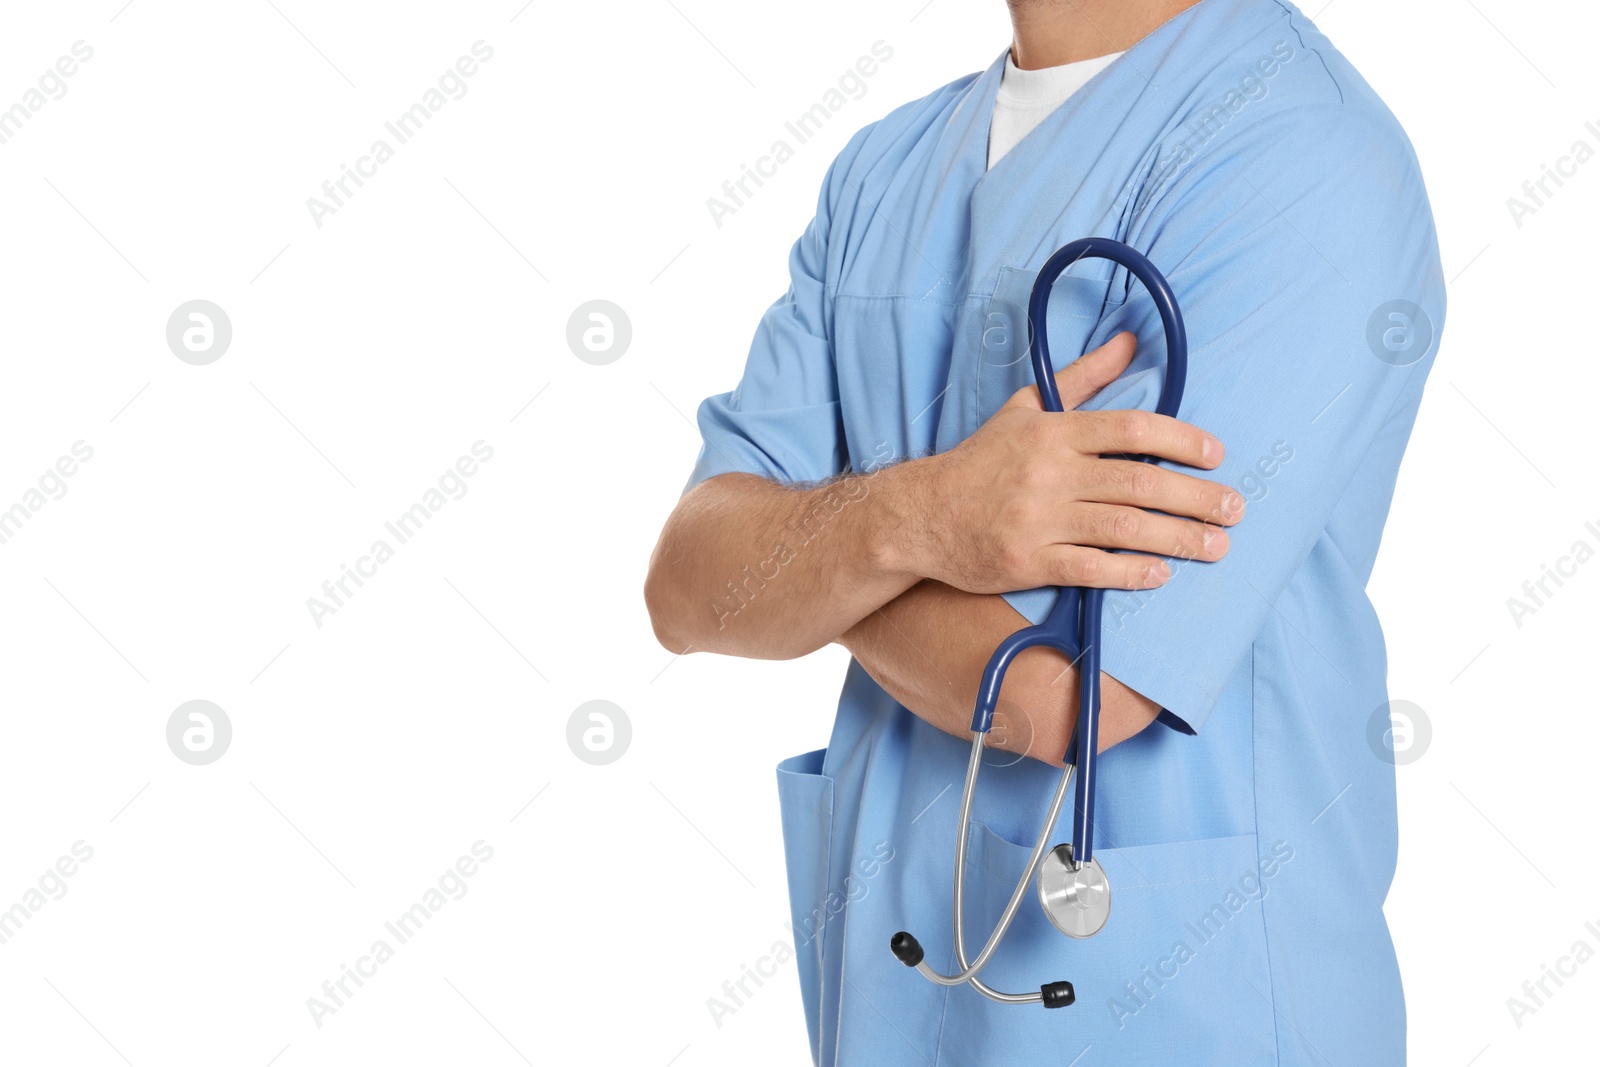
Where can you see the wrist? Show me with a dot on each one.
(897, 536)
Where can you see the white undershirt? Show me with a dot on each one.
(1026, 98)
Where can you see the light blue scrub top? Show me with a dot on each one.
(1249, 838)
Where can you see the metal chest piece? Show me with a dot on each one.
(1077, 900)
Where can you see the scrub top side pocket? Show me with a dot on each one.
(805, 801)
(1184, 952)
(1078, 302)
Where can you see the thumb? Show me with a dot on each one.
(1093, 371)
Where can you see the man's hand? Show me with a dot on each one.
(750, 567)
(1028, 500)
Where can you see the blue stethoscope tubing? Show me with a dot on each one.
(1073, 627)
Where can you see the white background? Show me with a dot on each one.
(371, 752)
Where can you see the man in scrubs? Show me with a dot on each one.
(883, 478)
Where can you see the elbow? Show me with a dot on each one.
(679, 631)
(666, 613)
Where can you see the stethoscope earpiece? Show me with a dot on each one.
(1057, 994)
(906, 949)
(1072, 886)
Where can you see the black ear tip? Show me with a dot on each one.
(1057, 994)
(906, 949)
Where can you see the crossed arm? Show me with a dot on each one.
(903, 566)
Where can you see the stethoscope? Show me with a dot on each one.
(1072, 886)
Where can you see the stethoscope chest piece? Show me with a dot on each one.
(1077, 899)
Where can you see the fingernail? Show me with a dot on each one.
(1156, 574)
(1213, 541)
(1211, 450)
(1232, 504)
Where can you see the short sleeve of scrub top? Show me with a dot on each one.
(1273, 375)
(782, 420)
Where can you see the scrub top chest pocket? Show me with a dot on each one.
(1079, 301)
(955, 362)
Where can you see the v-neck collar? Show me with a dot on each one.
(992, 186)
(1138, 61)
(1010, 213)
(1028, 146)
(1045, 93)
(1027, 180)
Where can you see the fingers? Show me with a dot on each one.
(1084, 376)
(1144, 433)
(1093, 371)
(1144, 485)
(1116, 526)
(1092, 568)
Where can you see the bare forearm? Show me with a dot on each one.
(748, 567)
(928, 649)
